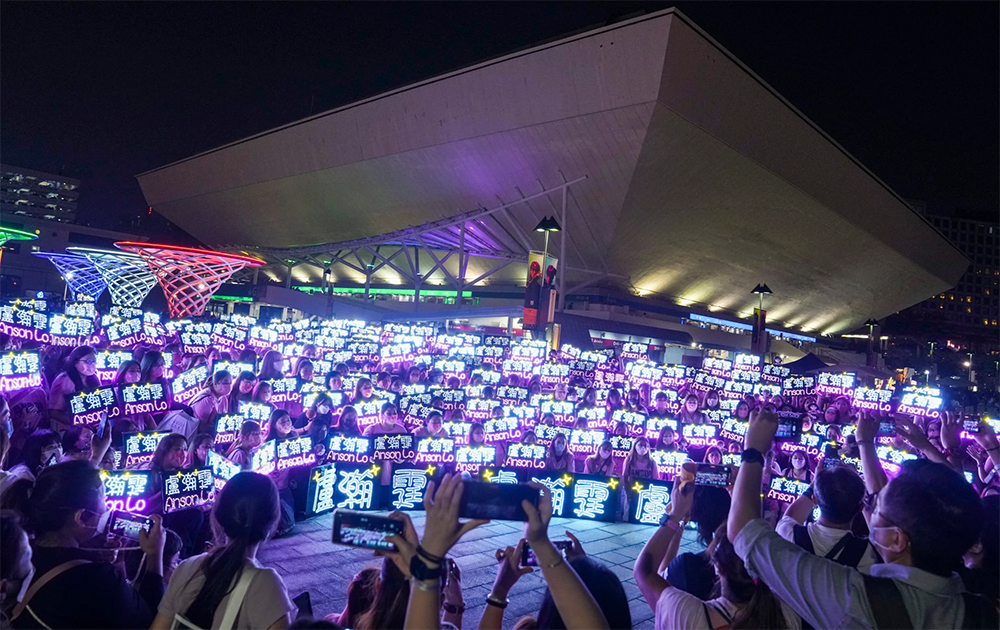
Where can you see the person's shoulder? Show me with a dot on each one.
(678, 609)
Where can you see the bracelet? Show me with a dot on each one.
(426, 555)
(427, 586)
(556, 563)
(499, 603)
(453, 609)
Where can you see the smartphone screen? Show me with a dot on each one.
(789, 427)
(360, 529)
(499, 501)
(528, 558)
(970, 424)
(128, 525)
(886, 428)
(712, 475)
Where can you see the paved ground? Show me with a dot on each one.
(308, 561)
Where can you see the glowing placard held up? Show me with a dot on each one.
(128, 490)
(90, 408)
(648, 501)
(293, 452)
(20, 370)
(348, 449)
(188, 489)
(138, 448)
(435, 450)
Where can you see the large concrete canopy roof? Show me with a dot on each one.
(701, 181)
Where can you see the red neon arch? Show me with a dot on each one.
(189, 276)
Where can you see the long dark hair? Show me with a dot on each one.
(388, 608)
(31, 454)
(235, 396)
(82, 383)
(55, 496)
(267, 369)
(166, 445)
(193, 447)
(149, 361)
(123, 370)
(246, 510)
(762, 609)
(606, 588)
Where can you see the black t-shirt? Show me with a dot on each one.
(93, 595)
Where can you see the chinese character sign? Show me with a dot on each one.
(527, 456)
(188, 489)
(408, 486)
(396, 447)
(321, 488)
(128, 490)
(222, 468)
(293, 452)
(921, 401)
(648, 501)
(139, 398)
(20, 370)
(89, 408)
(138, 448)
(434, 450)
(348, 449)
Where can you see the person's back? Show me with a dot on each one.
(924, 520)
(202, 587)
(839, 492)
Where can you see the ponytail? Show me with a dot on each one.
(246, 511)
(49, 502)
(760, 608)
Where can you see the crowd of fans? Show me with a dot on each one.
(869, 543)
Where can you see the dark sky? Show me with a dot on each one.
(104, 91)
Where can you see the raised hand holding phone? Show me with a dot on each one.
(151, 543)
(509, 570)
(760, 430)
(441, 527)
(406, 544)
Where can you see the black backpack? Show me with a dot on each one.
(848, 551)
(890, 613)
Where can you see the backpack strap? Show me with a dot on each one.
(40, 583)
(979, 613)
(886, 603)
(852, 551)
(236, 597)
(800, 535)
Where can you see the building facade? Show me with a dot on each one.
(25, 192)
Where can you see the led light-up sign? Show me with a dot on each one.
(775, 373)
(479, 409)
(552, 374)
(703, 381)
(836, 384)
(258, 412)
(676, 376)
(621, 445)
(492, 356)
(222, 468)
(527, 456)
(450, 398)
(490, 377)
(348, 449)
(633, 352)
(563, 410)
(584, 497)
(668, 463)
(138, 448)
(409, 483)
(734, 430)
(472, 458)
(263, 458)
(524, 370)
(188, 489)
(799, 386)
(872, 399)
(458, 431)
(284, 390)
(20, 370)
(139, 398)
(394, 447)
(786, 490)
(434, 450)
(89, 408)
(635, 421)
(585, 441)
(508, 395)
(607, 375)
(24, 324)
(128, 490)
(506, 429)
(582, 370)
(699, 435)
(892, 458)
(188, 383)
(648, 501)
(294, 452)
(227, 427)
(921, 401)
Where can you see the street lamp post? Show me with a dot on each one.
(759, 340)
(546, 225)
(870, 355)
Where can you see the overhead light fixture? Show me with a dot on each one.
(547, 224)
(761, 289)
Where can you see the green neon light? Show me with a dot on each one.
(232, 298)
(373, 291)
(11, 234)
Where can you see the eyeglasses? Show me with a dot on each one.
(90, 361)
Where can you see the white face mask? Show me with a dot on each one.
(872, 537)
(323, 409)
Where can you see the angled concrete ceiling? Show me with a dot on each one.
(701, 180)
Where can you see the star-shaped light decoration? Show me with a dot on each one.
(612, 483)
(430, 471)
(487, 474)
(566, 479)
(375, 468)
(637, 487)
(316, 476)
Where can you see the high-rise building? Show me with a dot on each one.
(968, 313)
(36, 194)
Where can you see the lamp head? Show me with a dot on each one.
(547, 224)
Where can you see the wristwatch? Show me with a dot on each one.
(752, 455)
(422, 572)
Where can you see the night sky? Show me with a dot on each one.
(104, 91)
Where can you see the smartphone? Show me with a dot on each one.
(128, 525)
(712, 475)
(970, 424)
(528, 558)
(361, 529)
(789, 427)
(886, 428)
(500, 501)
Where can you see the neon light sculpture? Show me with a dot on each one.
(84, 281)
(127, 275)
(189, 276)
(10, 234)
